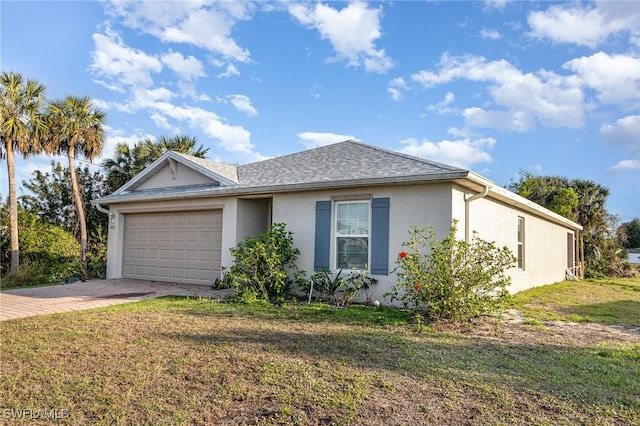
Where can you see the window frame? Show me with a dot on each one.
(336, 235)
(521, 243)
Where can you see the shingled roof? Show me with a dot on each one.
(341, 162)
(349, 163)
(341, 165)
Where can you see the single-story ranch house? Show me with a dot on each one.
(348, 204)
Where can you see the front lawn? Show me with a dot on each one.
(606, 301)
(194, 361)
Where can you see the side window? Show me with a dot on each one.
(521, 246)
(352, 226)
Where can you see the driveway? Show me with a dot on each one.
(27, 302)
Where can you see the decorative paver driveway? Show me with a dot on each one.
(27, 302)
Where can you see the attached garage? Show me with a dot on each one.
(182, 247)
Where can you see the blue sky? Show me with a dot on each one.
(496, 87)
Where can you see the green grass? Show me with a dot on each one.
(605, 301)
(194, 361)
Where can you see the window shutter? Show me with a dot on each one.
(323, 235)
(380, 236)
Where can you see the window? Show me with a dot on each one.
(520, 242)
(355, 231)
(352, 226)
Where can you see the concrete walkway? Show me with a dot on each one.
(27, 302)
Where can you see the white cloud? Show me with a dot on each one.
(231, 70)
(121, 64)
(115, 136)
(624, 132)
(162, 122)
(396, 88)
(519, 121)
(586, 25)
(315, 139)
(489, 34)
(101, 104)
(625, 166)
(156, 102)
(442, 107)
(616, 78)
(496, 4)
(243, 104)
(187, 68)
(460, 153)
(522, 98)
(352, 32)
(200, 23)
(234, 139)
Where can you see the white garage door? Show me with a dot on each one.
(182, 247)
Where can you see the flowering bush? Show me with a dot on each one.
(450, 279)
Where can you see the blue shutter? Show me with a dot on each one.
(323, 235)
(380, 236)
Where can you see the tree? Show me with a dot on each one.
(629, 234)
(21, 127)
(124, 165)
(48, 196)
(584, 202)
(553, 192)
(181, 143)
(129, 161)
(75, 128)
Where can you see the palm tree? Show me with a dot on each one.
(181, 143)
(125, 164)
(75, 128)
(129, 161)
(21, 127)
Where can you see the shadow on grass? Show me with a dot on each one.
(577, 375)
(619, 312)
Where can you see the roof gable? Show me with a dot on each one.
(173, 169)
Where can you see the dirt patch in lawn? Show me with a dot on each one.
(513, 328)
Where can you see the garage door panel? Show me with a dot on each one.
(164, 273)
(205, 256)
(173, 246)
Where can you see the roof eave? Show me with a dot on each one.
(501, 194)
(271, 189)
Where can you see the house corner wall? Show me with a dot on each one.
(545, 245)
(115, 244)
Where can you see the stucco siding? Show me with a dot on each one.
(545, 243)
(253, 217)
(165, 178)
(422, 205)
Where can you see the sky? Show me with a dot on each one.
(497, 87)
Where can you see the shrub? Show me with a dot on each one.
(338, 289)
(265, 267)
(450, 279)
(48, 253)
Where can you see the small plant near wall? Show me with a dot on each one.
(340, 289)
(264, 267)
(450, 279)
